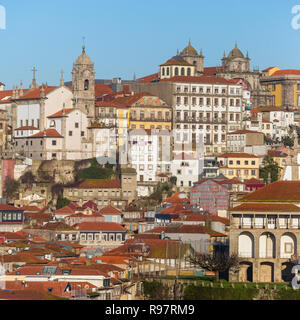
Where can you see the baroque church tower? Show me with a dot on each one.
(83, 84)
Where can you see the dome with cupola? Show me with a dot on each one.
(84, 58)
(189, 51)
(236, 53)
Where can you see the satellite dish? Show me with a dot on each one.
(9, 251)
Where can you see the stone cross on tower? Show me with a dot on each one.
(34, 84)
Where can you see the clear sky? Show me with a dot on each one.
(123, 37)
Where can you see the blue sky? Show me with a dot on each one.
(123, 37)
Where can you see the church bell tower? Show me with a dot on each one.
(83, 84)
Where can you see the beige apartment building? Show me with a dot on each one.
(265, 233)
(240, 165)
(118, 192)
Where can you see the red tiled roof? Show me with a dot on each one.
(212, 71)
(26, 128)
(48, 133)
(201, 79)
(64, 210)
(91, 205)
(237, 155)
(150, 78)
(177, 198)
(254, 181)
(276, 153)
(266, 207)
(244, 132)
(173, 62)
(268, 69)
(60, 113)
(279, 191)
(101, 89)
(36, 93)
(99, 184)
(110, 210)
(99, 226)
(5, 207)
(286, 72)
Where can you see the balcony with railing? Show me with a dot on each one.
(266, 222)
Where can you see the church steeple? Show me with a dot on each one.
(83, 84)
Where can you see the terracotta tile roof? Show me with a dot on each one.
(150, 78)
(244, 132)
(276, 153)
(60, 113)
(274, 109)
(90, 204)
(129, 101)
(212, 71)
(174, 209)
(26, 128)
(6, 207)
(157, 248)
(177, 198)
(286, 72)
(237, 155)
(279, 191)
(48, 133)
(268, 69)
(254, 181)
(36, 93)
(99, 226)
(18, 295)
(201, 79)
(30, 209)
(110, 210)
(65, 210)
(266, 207)
(101, 89)
(99, 184)
(173, 62)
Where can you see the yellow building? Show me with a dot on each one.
(284, 86)
(240, 165)
(148, 111)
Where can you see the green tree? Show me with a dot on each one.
(217, 262)
(288, 141)
(270, 167)
(62, 202)
(11, 188)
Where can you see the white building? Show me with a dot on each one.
(209, 107)
(187, 168)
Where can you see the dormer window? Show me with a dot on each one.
(86, 85)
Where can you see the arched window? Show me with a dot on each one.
(189, 71)
(163, 71)
(182, 71)
(168, 71)
(86, 85)
(176, 71)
